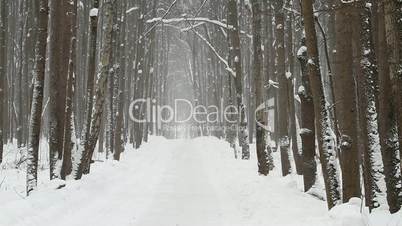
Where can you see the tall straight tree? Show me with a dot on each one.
(87, 148)
(393, 26)
(345, 97)
(268, 71)
(322, 120)
(121, 71)
(372, 154)
(283, 94)
(236, 57)
(291, 92)
(3, 74)
(58, 73)
(387, 119)
(307, 132)
(94, 15)
(71, 25)
(37, 99)
(259, 91)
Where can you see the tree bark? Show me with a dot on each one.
(372, 153)
(322, 120)
(387, 120)
(393, 26)
(3, 73)
(345, 97)
(69, 132)
(37, 100)
(58, 73)
(262, 156)
(235, 47)
(283, 95)
(307, 131)
(85, 134)
(99, 100)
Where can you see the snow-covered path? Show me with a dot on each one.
(170, 182)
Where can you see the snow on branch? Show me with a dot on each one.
(132, 9)
(227, 67)
(192, 26)
(348, 1)
(164, 15)
(195, 19)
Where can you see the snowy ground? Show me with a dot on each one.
(175, 183)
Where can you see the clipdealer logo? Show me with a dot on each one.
(184, 111)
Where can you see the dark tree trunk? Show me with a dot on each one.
(85, 134)
(259, 91)
(37, 100)
(68, 144)
(345, 96)
(322, 120)
(387, 120)
(59, 46)
(3, 73)
(283, 94)
(307, 126)
(235, 47)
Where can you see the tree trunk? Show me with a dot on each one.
(372, 153)
(262, 156)
(345, 97)
(85, 134)
(235, 47)
(291, 82)
(322, 120)
(387, 120)
(307, 127)
(269, 65)
(68, 140)
(99, 100)
(3, 73)
(283, 95)
(393, 29)
(59, 45)
(37, 100)
(119, 141)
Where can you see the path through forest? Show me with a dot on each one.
(171, 182)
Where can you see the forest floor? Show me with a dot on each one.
(176, 183)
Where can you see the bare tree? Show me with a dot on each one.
(69, 132)
(37, 100)
(235, 47)
(3, 70)
(307, 131)
(387, 119)
(259, 94)
(322, 118)
(87, 147)
(283, 94)
(59, 45)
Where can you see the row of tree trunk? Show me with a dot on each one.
(69, 71)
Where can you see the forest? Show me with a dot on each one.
(305, 89)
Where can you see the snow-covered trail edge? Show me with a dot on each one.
(172, 182)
